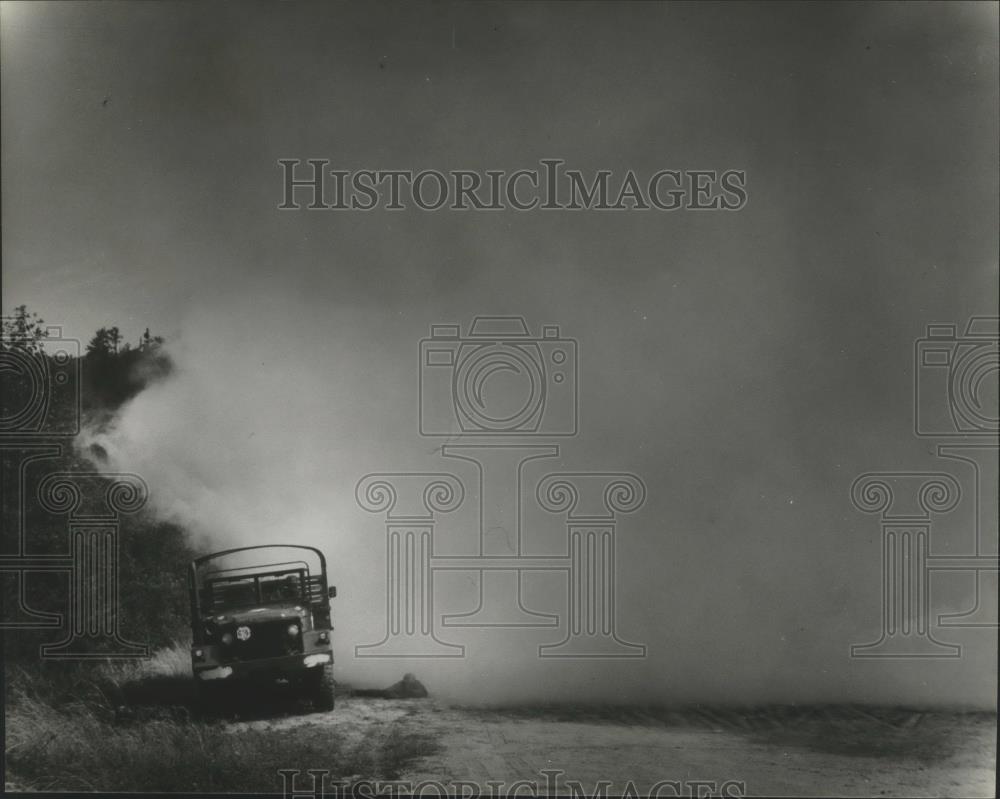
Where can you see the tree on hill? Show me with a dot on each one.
(105, 342)
(114, 372)
(153, 555)
(23, 330)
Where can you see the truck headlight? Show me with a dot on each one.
(227, 638)
(199, 654)
(293, 630)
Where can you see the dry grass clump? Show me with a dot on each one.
(131, 726)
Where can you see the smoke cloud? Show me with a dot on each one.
(747, 573)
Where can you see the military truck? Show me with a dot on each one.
(262, 614)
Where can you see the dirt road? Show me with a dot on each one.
(810, 752)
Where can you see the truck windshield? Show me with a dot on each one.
(258, 589)
(277, 589)
(236, 592)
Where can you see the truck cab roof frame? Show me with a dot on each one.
(196, 604)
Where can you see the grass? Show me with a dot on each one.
(130, 727)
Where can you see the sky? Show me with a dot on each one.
(747, 365)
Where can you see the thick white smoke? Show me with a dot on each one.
(746, 575)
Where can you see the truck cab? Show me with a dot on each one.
(262, 614)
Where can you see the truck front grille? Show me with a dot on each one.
(268, 639)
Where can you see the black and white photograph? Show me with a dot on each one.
(508, 399)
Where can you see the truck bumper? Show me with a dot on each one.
(262, 668)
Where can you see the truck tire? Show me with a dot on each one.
(321, 688)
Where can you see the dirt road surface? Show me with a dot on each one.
(808, 752)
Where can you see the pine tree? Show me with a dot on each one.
(24, 330)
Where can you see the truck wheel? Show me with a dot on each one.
(321, 688)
